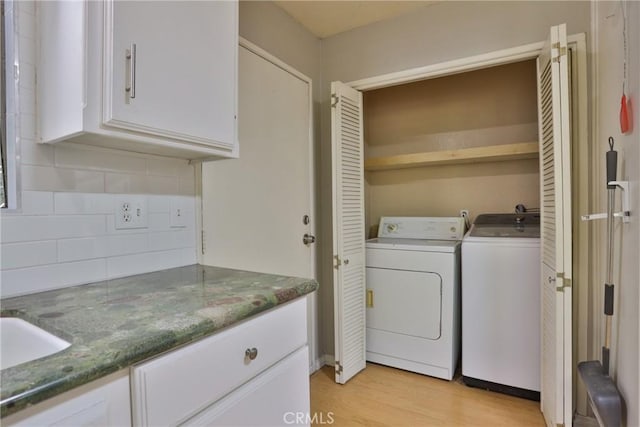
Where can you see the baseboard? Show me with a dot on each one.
(328, 359)
(315, 365)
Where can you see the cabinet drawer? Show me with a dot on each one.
(171, 388)
(278, 396)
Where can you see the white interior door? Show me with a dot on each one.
(253, 207)
(348, 231)
(555, 164)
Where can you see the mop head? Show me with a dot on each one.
(606, 401)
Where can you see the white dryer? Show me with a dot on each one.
(413, 294)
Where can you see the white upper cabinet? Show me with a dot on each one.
(150, 77)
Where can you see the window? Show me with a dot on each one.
(3, 110)
(8, 91)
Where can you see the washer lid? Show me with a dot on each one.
(506, 225)
(424, 245)
(512, 231)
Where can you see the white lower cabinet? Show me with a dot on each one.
(214, 380)
(252, 374)
(104, 402)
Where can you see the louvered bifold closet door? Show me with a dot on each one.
(348, 231)
(554, 135)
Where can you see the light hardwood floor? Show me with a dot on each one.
(383, 396)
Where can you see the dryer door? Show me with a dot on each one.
(404, 302)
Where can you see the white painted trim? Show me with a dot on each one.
(197, 166)
(13, 134)
(498, 57)
(274, 60)
(315, 364)
(312, 299)
(597, 229)
(582, 201)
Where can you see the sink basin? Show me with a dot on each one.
(21, 342)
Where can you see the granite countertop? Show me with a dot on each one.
(116, 323)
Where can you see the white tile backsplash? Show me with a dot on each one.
(159, 221)
(172, 240)
(82, 248)
(140, 184)
(187, 185)
(35, 279)
(27, 51)
(98, 159)
(75, 203)
(101, 247)
(27, 123)
(28, 77)
(36, 154)
(63, 233)
(28, 7)
(158, 204)
(58, 179)
(37, 203)
(75, 228)
(19, 255)
(28, 101)
(26, 25)
(151, 261)
(27, 228)
(169, 167)
(128, 244)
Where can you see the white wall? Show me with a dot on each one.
(608, 53)
(271, 28)
(63, 234)
(438, 33)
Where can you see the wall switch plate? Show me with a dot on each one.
(178, 217)
(131, 212)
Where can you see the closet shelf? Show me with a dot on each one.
(491, 153)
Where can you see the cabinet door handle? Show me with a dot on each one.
(131, 58)
(251, 353)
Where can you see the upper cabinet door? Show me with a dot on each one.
(156, 77)
(170, 69)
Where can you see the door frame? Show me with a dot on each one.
(312, 299)
(583, 348)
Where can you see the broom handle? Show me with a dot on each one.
(612, 166)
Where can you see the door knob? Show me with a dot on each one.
(307, 239)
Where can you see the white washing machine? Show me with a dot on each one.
(413, 294)
(501, 304)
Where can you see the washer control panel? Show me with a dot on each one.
(434, 228)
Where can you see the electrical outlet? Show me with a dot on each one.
(131, 212)
(178, 214)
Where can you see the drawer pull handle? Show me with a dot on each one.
(251, 353)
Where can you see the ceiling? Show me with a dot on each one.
(325, 18)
